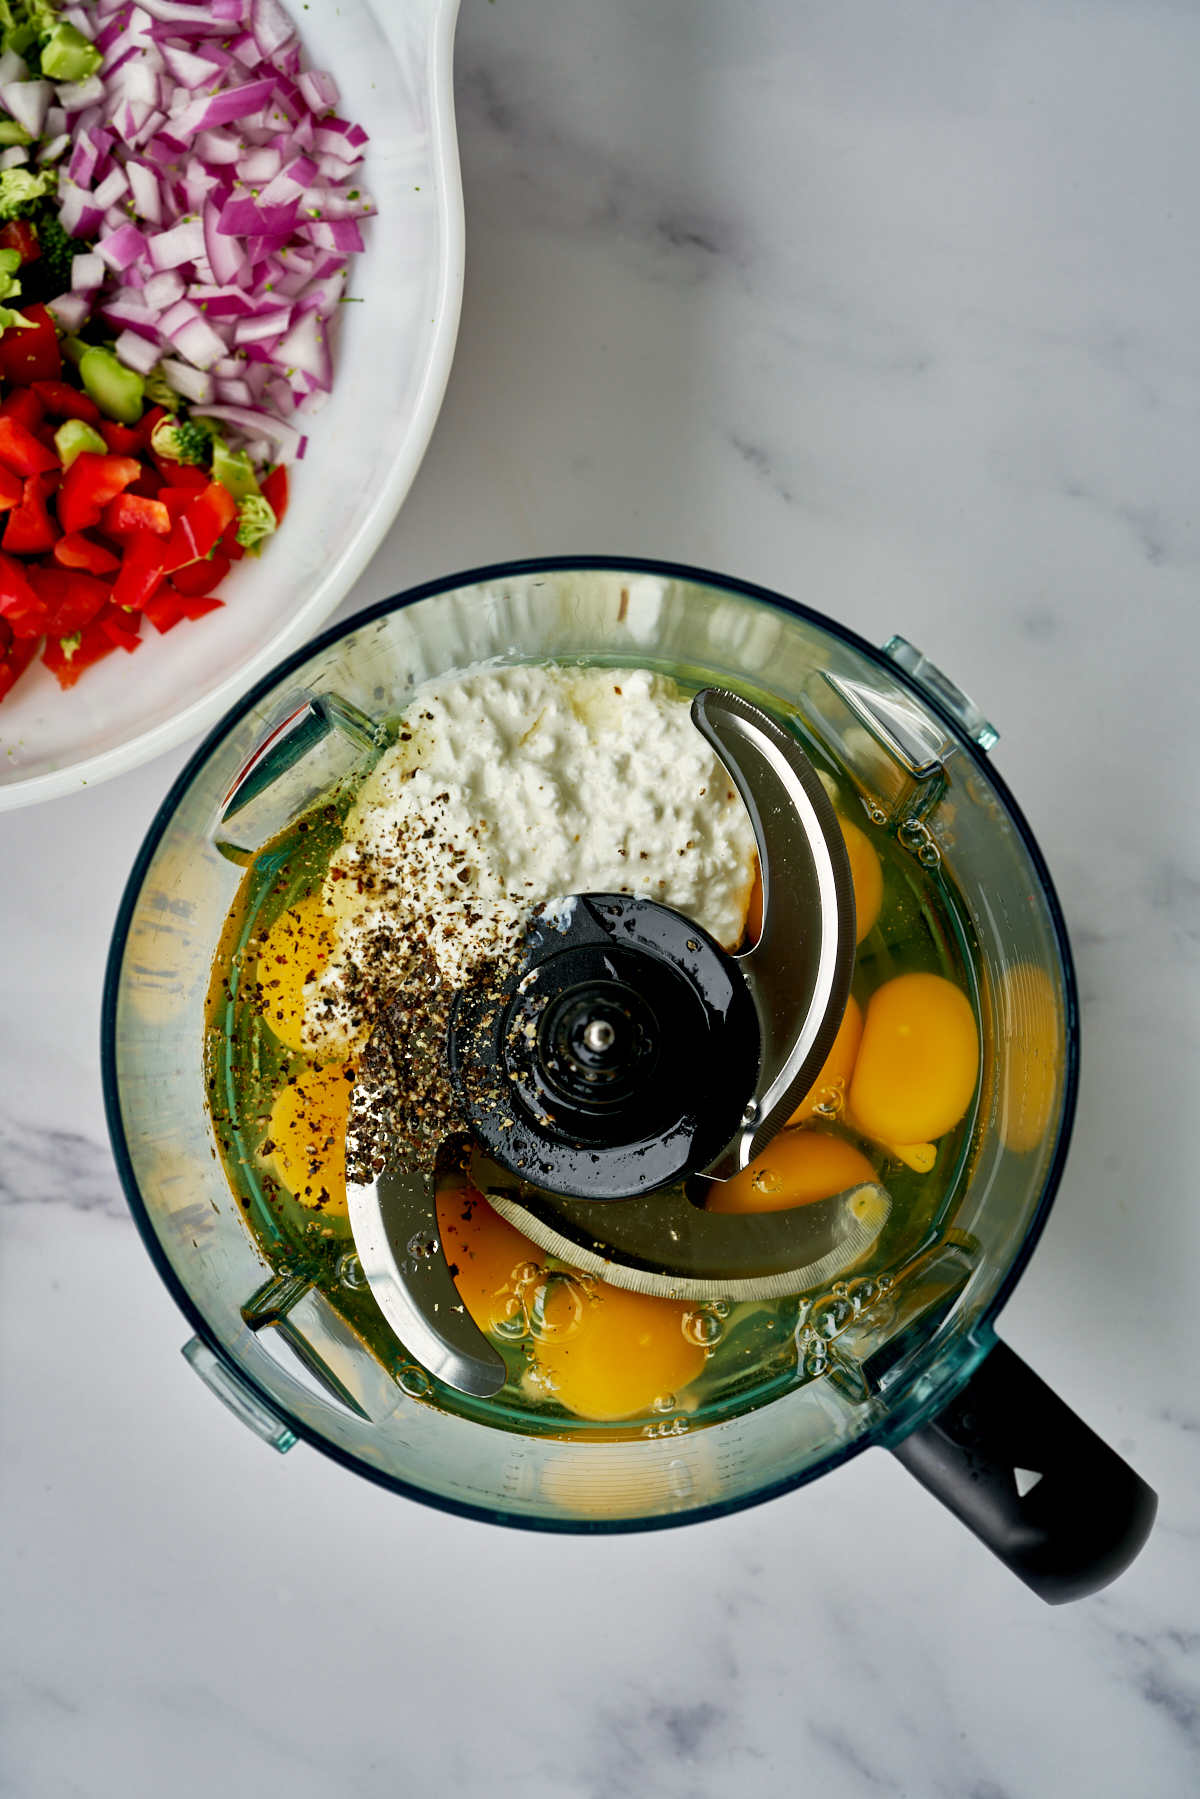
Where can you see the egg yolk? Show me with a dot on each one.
(605, 1354)
(796, 1168)
(866, 872)
(293, 952)
(487, 1257)
(824, 1098)
(306, 1137)
(754, 907)
(610, 1354)
(918, 1060)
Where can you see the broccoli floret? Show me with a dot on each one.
(182, 440)
(256, 521)
(19, 190)
(58, 249)
(25, 23)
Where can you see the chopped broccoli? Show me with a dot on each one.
(19, 190)
(59, 250)
(182, 440)
(159, 391)
(25, 24)
(66, 55)
(256, 521)
(13, 321)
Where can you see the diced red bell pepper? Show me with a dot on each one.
(145, 425)
(20, 236)
(122, 440)
(201, 577)
(148, 483)
(131, 512)
(275, 492)
(122, 628)
(77, 550)
(141, 572)
(23, 405)
(16, 653)
(30, 353)
(62, 401)
(20, 450)
(29, 530)
(169, 606)
(89, 484)
(66, 665)
(19, 604)
(184, 475)
(175, 499)
(70, 599)
(201, 527)
(12, 489)
(229, 545)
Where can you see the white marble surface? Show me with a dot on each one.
(893, 308)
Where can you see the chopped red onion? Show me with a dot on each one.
(319, 89)
(136, 352)
(115, 183)
(76, 214)
(87, 272)
(233, 392)
(191, 382)
(264, 326)
(71, 310)
(28, 102)
(85, 158)
(54, 148)
(205, 127)
(260, 424)
(190, 71)
(122, 247)
(77, 96)
(183, 243)
(15, 157)
(216, 147)
(143, 185)
(161, 291)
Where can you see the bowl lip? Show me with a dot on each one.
(955, 1370)
(336, 584)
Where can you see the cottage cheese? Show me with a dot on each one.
(508, 789)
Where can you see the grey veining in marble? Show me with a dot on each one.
(894, 309)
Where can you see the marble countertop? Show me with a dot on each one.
(893, 309)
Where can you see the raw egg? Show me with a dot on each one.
(918, 1060)
(293, 952)
(866, 871)
(602, 1353)
(487, 1257)
(306, 1137)
(754, 907)
(795, 1169)
(610, 1354)
(824, 1098)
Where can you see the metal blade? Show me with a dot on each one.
(396, 1238)
(664, 1245)
(799, 971)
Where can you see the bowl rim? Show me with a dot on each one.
(337, 582)
(952, 1373)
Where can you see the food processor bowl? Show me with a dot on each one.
(910, 1363)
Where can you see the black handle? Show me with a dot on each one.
(1032, 1481)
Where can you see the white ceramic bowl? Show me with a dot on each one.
(394, 66)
